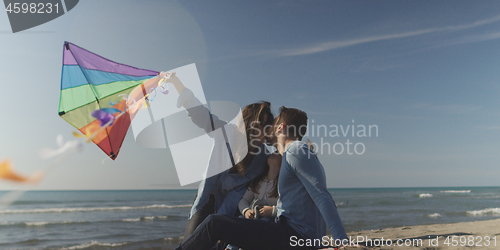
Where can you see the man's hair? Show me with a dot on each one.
(295, 121)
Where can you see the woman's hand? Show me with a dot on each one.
(249, 214)
(266, 211)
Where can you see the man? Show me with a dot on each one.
(303, 207)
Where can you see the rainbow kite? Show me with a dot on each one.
(92, 90)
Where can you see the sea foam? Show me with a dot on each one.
(434, 215)
(145, 218)
(455, 191)
(483, 212)
(51, 223)
(94, 244)
(132, 220)
(424, 195)
(36, 224)
(87, 209)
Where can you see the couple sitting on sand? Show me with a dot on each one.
(304, 203)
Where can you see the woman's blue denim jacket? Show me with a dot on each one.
(228, 188)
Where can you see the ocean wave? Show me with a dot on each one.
(132, 220)
(483, 212)
(87, 209)
(29, 242)
(455, 191)
(424, 195)
(169, 243)
(434, 215)
(31, 202)
(7, 223)
(40, 223)
(52, 223)
(37, 224)
(129, 245)
(146, 218)
(46, 223)
(491, 197)
(95, 244)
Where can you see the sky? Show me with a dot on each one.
(424, 73)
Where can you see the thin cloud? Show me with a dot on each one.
(476, 38)
(332, 45)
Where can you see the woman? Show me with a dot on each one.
(222, 192)
(259, 200)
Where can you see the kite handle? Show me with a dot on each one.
(162, 84)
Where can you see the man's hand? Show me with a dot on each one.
(249, 214)
(266, 211)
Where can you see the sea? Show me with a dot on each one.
(156, 219)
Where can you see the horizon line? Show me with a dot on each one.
(193, 189)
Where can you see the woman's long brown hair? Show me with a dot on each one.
(256, 117)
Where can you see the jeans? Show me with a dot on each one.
(200, 215)
(247, 234)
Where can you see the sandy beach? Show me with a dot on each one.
(463, 235)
